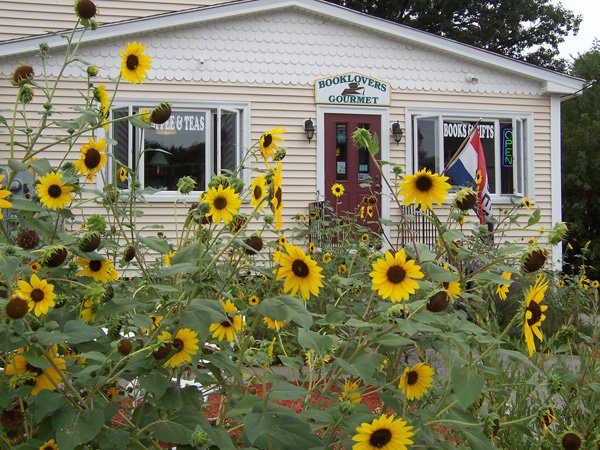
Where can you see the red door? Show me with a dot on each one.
(352, 167)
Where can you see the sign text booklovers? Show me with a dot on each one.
(352, 89)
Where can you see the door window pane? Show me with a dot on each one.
(363, 157)
(183, 136)
(341, 151)
(427, 143)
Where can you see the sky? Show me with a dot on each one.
(588, 30)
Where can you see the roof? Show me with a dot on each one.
(554, 82)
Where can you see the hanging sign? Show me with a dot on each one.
(352, 89)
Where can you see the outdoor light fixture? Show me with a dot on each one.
(397, 132)
(309, 129)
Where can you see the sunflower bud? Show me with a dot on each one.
(162, 352)
(22, 75)
(345, 407)
(55, 257)
(465, 199)
(26, 95)
(92, 71)
(280, 155)
(90, 242)
(186, 184)
(255, 243)
(125, 346)
(129, 253)
(28, 239)
(534, 259)
(16, 308)
(557, 233)
(439, 302)
(199, 437)
(12, 419)
(85, 9)
(161, 113)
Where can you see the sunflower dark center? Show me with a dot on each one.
(278, 197)
(132, 62)
(37, 295)
(95, 265)
(92, 158)
(300, 268)
(268, 140)
(226, 323)
(396, 274)
(424, 183)
(220, 203)
(178, 344)
(412, 377)
(54, 190)
(536, 313)
(33, 369)
(571, 441)
(257, 192)
(445, 285)
(380, 438)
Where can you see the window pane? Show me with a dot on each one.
(363, 157)
(184, 137)
(427, 143)
(120, 133)
(229, 144)
(507, 154)
(341, 151)
(455, 131)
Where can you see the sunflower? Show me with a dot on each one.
(49, 445)
(268, 143)
(394, 276)
(93, 158)
(223, 203)
(526, 203)
(42, 379)
(424, 188)
(253, 300)
(88, 311)
(370, 211)
(595, 284)
(384, 433)
(53, 192)
(342, 269)
(135, 64)
(338, 190)
(274, 325)
(299, 270)
(4, 204)
(326, 258)
(583, 283)
(560, 283)
(102, 97)
(312, 248)
(185, 344)
(452, 288)
(229, 327)
(502, 289)
(350, 392)
(38, 293)
(548, 419)
(258, 192)
(364, 238)
(277, 200)
(416, 381)
(281, 241)
(35, 266)
(99, 269)
(123, 174)
(534, 312)
(156, 320)
(167, 258)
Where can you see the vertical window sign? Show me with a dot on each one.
(507, 147)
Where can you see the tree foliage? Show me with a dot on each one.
(526, 29)
(581, 162)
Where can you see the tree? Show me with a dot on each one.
(529, 30)
(581, 163)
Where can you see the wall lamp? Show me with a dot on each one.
(309, 129)
(397, 132)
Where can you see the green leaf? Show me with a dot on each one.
(535, 217)
(46, 402)
(490, 276)
(79, 332)
(315, 341)
(293, 363)
(516, 356)
(374, 145)
(17, 166)
(393, 340)
(172, 432)
(437, 273)
(286, 307)
(156, 244)
(73, 428)
(25, 205)
(244, 406)
(282, 390)
(113, 439)
(180, 268)
(467, 385)
(41, 166)
(155, 383)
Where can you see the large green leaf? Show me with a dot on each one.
(286, 308)
(437, 273)
(172, 432)
(156, 244)
(467, 385)
(79, 332)
(312, 340)
(73, 428)
(282, 390)
(25, 205)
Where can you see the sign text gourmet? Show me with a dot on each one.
(352, 89)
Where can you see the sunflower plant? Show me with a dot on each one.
(243, 330)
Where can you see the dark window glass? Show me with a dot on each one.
(120, 133)
(229, 136)
(363, 157)
(507, 157)
(454, 133)
(427, 143)
(183, 136)
(341, 151)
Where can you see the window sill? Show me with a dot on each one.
(167, 197)
(498, 200)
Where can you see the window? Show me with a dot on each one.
(436, 138)
(194, 142)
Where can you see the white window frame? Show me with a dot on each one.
(525, 159)
(242, 139)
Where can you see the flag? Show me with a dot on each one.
(469, 169)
